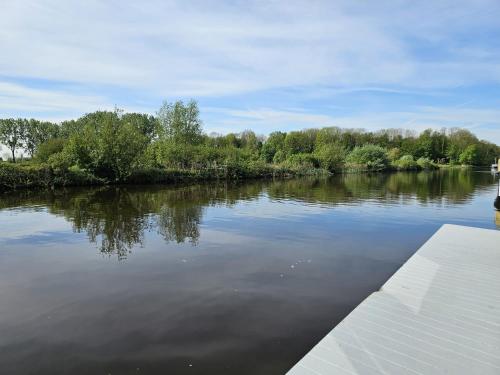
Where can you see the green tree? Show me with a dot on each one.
(327, 136)
(107, 146)
(12, 133)
(406, 163)
(250, 141)
(459, 140)
(298, 142)
(50, 147)
(37, 132)
(274, 143)
(469, 155)
(146, 124)
(331, 156)
(371, 157)
(180, 122)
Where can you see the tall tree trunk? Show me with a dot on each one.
(13, 156)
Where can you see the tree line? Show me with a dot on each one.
(113, 145)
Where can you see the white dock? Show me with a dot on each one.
(438, 314)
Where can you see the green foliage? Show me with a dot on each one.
(274, 143)
(180, 122)
(394, 154)
(469, 155)
(134, 147)
(12, 133)
(36, 133)
(147, 125)
(14, 176)
(302, 160)
(50, 147)
(279, 157)
(328, 136)
(298, 142)
(331, 157)
(406, 163)
(426, 164)
(369, 157)
(107, 146)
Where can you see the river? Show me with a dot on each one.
(214, 278)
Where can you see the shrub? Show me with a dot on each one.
(394, 154)
(13, 176)
(49, 148)
(302, 161)
(406, 163)
(279, 157)
(369, 157)
(426, 163)
(469, 155)
(331, 157)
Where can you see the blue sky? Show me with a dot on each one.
(263, 65)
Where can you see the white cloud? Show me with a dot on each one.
(21, 98)
(205, 48)
(52, 104)
(95, 54)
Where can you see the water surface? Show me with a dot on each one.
(212, 278)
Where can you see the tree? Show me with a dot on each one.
(37, 132)
(250, 141)
(274, 143)
(331, 156)
(180, 122)
(327, 136)
(298, 142)
(459, 140)
(469, 155)
(107, 145)
(50, 147)
(424, 145)
(146, 124)
(371, 157)
(12, 134)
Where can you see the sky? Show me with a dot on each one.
(260, 65)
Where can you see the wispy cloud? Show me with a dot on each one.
(229, 54)
(213, 48)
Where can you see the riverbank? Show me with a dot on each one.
(19, 176)
(22, 176)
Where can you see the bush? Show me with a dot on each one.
(108, 146)
(369, 157)
(13, 176)
(49, 148)
(331, 157)
(279, 157)
(469, 156)
(406, 163)
(394, 154)
(302, 161)
(426, 163)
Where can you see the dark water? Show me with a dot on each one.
(212, 278)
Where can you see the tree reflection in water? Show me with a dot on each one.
(117, 218)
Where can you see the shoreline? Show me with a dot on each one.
(15, 177)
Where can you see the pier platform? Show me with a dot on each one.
(438, 314)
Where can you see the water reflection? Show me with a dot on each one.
(117, 218)
(224, 278)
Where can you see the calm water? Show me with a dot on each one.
(212, 278)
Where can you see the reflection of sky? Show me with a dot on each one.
(19, 224)
(272, 217)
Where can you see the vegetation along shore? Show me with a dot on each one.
(107, 147)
